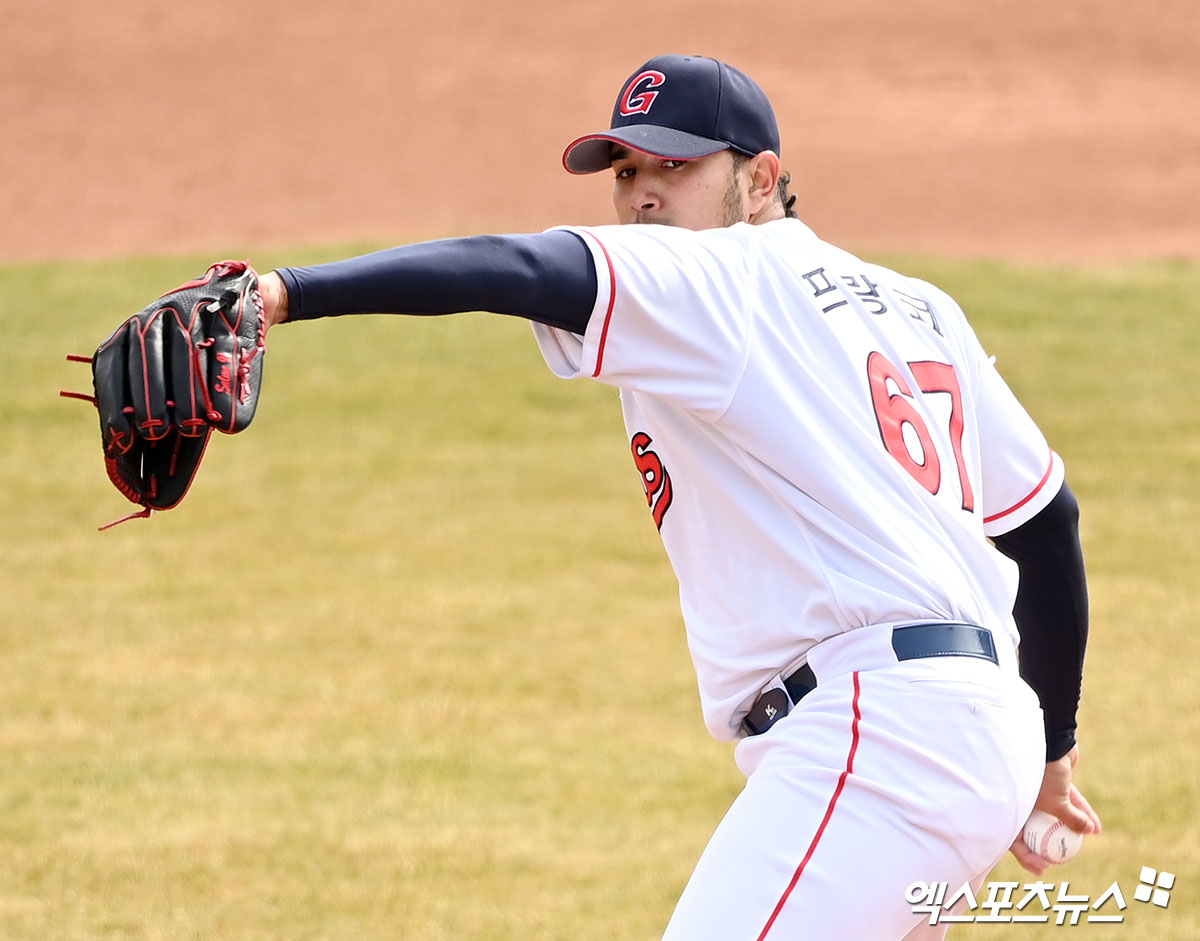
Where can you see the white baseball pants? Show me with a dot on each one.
(888, 773)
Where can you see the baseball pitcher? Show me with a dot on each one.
(877, 552)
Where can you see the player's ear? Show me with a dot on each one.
(763, 171)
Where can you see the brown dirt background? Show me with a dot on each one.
(1031, 129)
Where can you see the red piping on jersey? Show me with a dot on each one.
(612, 299)
(1033, 493)
(825, 821)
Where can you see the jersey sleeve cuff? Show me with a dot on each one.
(997, 524)
(571, 355)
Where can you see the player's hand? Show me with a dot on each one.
(274, 299)
(1059, 796)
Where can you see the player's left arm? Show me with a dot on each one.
(1051, 612)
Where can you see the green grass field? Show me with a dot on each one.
(407, 662)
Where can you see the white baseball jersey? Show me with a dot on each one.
(823, 442)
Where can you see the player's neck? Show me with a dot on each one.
(768, 213)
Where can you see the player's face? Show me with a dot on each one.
(705, 193)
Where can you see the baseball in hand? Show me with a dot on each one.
(1050, 838)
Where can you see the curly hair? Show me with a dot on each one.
(786, 199)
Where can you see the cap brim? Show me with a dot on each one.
(592, 152)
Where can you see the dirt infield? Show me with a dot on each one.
(1028, 129)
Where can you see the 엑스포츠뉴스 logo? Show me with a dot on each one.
(638, 96)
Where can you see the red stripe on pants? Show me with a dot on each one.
(837, 792)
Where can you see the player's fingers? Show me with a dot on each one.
(1028, 858)
(1081, 804)
(1073, 810)
(1073, 817)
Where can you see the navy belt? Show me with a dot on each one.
(911, 642)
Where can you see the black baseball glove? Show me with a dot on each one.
(190, 362)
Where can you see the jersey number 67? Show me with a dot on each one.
(895, 410)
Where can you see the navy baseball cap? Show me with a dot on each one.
(681, 108)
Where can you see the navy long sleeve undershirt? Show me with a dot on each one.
(549, 277)
(1051, 612)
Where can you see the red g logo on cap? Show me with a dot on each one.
(632, 103)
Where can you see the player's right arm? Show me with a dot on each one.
(674, 297)
(547, 277)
